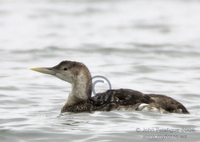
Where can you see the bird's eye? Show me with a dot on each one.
(65, 69)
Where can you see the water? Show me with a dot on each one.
(150, 46)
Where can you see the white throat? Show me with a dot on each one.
(79, 91)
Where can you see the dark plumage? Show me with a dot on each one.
(122, 99)
(126, 99)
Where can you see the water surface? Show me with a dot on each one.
(149, 46)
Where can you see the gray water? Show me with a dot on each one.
(149, 46)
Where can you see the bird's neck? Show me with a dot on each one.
(81, 90)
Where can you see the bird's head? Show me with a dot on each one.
(68, 71)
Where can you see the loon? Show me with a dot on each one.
(80, 99)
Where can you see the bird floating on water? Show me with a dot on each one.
(80, 99)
